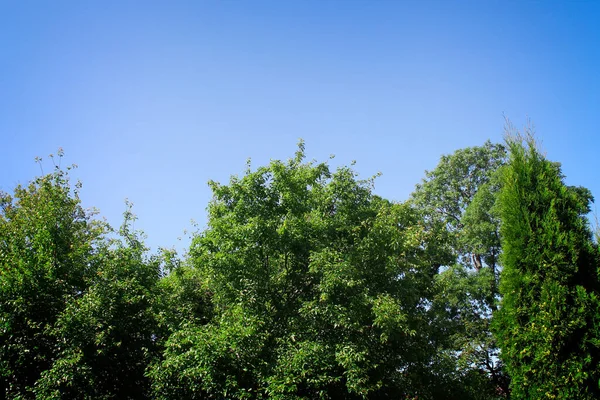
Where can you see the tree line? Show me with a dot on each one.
(305, 284)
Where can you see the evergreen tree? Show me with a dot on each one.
(548, 326)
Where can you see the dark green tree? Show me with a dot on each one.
(548, 325)
(109, 335)
(456, 200)
(319, 291)
(458, 196)
(48, 255)
(184, 297)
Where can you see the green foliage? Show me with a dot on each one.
(77, 310)
(306, 285)
(107, 335)
(548, 323)
(457, 197)
(456, 200)
(183, 299)
(317, 286)
(47, 257)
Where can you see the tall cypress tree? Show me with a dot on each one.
(548, 326)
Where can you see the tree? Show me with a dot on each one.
(549, 319)
(458, 196)
(456, 200)
(319, 291)
(47, 256)
(78, 311)
(108, 336)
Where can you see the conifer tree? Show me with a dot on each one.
(549, 321)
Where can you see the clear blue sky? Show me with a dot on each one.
(153, 99)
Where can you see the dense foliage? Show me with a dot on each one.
(456, 201)
(549, 322)
(317, 286)
(48, 253)
(307, 285)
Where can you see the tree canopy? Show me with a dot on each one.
(305, 284)
(456, 201)
(48, 255)
(317, 286)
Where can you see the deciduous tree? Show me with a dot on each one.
(48, 255)
(456, 200)
(319, 292)
(108, 336)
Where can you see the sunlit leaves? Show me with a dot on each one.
(457, 200)
(47, 258)
(548, 325)
(320, 279)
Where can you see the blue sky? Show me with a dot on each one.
(153, 99)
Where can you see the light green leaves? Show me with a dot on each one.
(321, 281)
